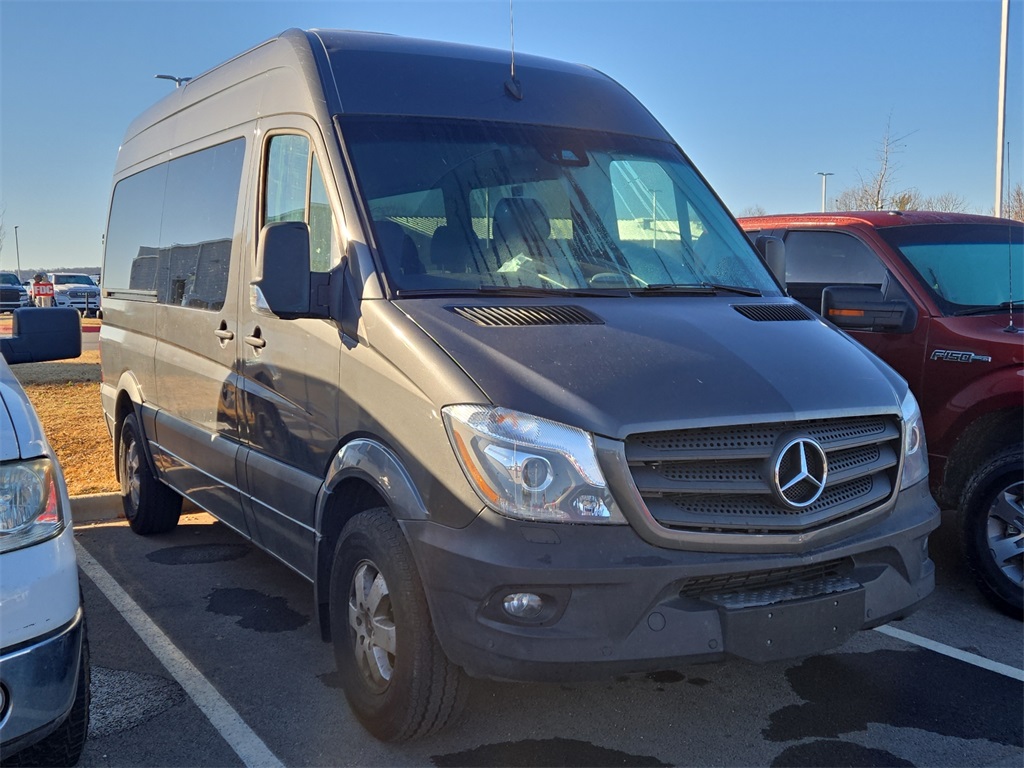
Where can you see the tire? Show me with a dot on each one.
(397, 679)
(64, 746)
(992, 529)
(149, 506)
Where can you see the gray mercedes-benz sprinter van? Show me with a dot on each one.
(486, 361)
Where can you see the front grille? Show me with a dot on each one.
(742, 590)
(723, 479)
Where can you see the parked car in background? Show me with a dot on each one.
(80, 289)
(12, 293)
(938, 296)
(44, 661)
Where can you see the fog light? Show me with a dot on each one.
(523, 605)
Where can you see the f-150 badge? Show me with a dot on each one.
(955, 356)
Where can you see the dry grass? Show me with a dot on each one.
(66, 395)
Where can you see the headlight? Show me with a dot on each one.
(30, 508)
(530, 468)
(915, 451)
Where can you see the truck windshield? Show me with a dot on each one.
(72, 280)
(471, 206)
(968, 267)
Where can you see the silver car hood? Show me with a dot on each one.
(21, 436)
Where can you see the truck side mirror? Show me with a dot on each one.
(43, 333)
(282, 270)
(773, 252)
(864, 308)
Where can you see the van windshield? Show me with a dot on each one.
(969, 268)
(468, 205)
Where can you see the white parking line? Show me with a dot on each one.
(954, 653)
(239, 736)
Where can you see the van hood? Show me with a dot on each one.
(620, 365)
(21, 436)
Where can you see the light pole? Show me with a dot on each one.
(17, 251)
(824, 180)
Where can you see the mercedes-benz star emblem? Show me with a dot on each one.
(799, 473)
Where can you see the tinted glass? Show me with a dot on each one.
(966, 266)
(470, 205)
(172, 227)
(834, 258)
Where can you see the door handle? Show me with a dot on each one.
(256, 340)
(224, 334)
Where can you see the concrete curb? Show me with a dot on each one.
(96, 507)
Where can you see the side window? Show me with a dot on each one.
(294, 191)
(171, 228)
(815, 260)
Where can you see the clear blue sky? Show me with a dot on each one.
(761, 94)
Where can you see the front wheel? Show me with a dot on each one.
(149, 505)
(992, 529)
(397, 679)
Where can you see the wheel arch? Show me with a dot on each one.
(365, 473)
(982, 438)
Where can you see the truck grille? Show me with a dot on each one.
(724, 479)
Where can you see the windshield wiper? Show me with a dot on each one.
(703, 289)
(982, 310)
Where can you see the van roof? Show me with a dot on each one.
(372, 73)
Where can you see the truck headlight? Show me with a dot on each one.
(30, 507)
(530, 468)
(915, 450)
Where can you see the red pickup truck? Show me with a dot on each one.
(938, 296)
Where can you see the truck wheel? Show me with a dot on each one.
(992, 529)
(397, 679)
(149, 505)
(64, 746)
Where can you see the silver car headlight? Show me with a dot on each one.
(530, 468)
(915, 450)
(30, 505)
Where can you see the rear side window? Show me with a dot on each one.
(171, 229)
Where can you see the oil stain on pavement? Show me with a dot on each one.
(255, 610)
(845, 692)
(542, 753)
(198, 554)
(831, 753)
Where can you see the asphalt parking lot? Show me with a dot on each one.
(205, 653)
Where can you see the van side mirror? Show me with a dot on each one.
(43, 333)
(773, 253)
(864, 308)
(282, 269)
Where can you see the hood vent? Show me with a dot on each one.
(513, 317)
(767, 313)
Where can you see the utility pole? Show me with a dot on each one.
(17, 251)
(824, 179)
(1001, 112)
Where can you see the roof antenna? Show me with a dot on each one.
(1011, 328)
(512, 86)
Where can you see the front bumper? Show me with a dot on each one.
(38, 681)
(614, 603)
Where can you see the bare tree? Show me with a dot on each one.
(875, 193)
(1013, 205)
(754, 210)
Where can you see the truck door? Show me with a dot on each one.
(816, 259)
(290, 368)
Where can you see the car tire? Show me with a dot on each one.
(992, 529)
(397, 678)
(149, 506)
(64, 746)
